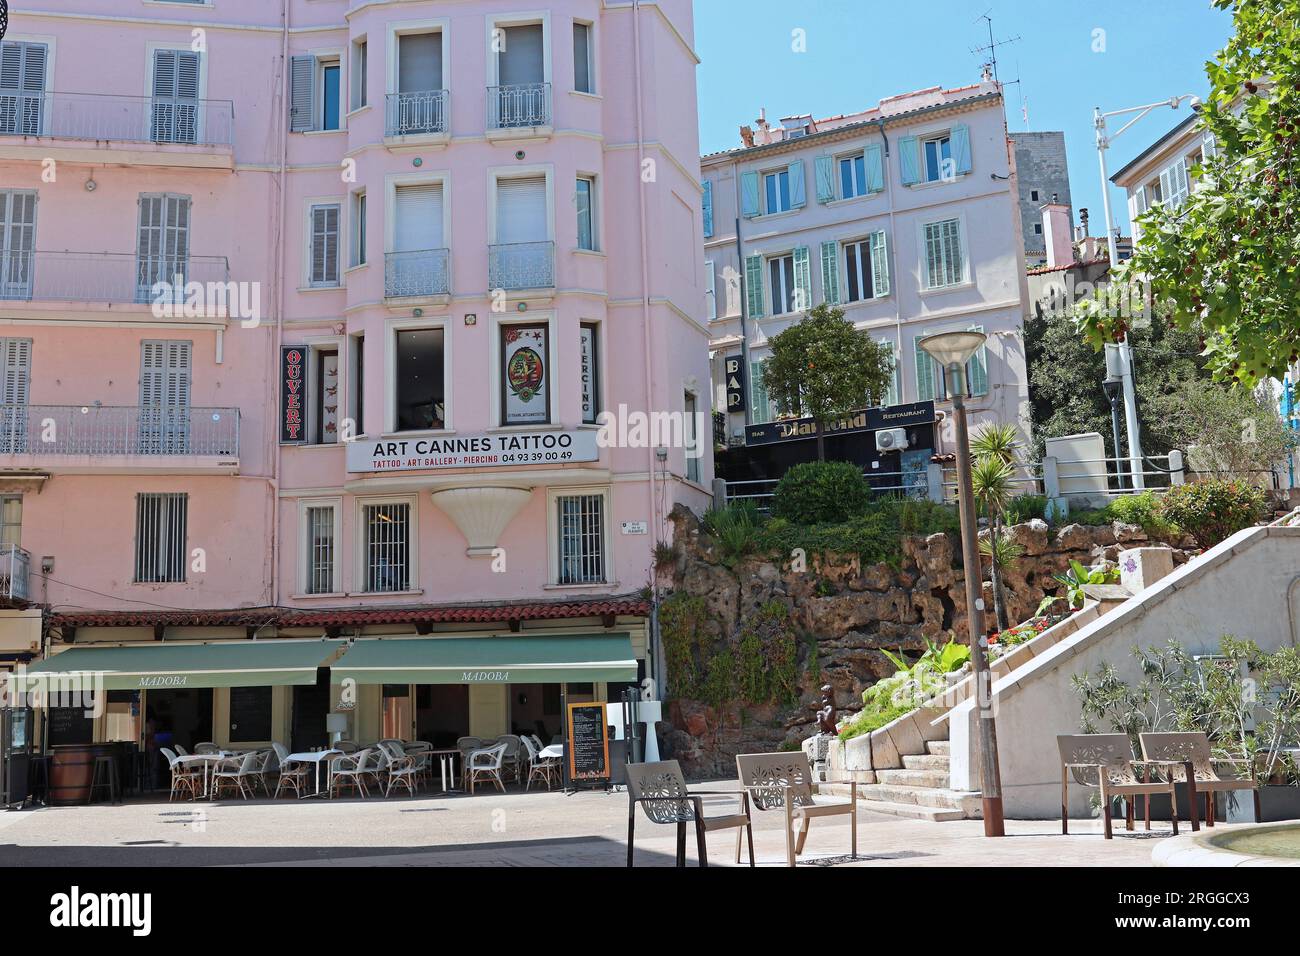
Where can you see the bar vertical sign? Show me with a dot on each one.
(293, 386)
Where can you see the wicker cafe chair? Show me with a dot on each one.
(239, 772)
(1105, 762)
(661, 790)
(183, 778)
(539, 766)
(350, 770)
(486, 764)
(402, 770)
(207, 747)
(292, 773)
(512, 762)
(784, 781)
(1185, 758)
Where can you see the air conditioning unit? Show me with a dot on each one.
(891, 439)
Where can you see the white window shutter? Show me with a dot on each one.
(324, 245)
(418, 223)
(802, 279)
(521, 210)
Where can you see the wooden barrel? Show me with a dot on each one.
(71, 769)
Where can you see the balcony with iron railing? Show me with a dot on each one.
(518, 266)
(177, 131)
(15, 567)
(103, 277)
(418, 274)
(423, 114)
(124, 439)
(520, 109)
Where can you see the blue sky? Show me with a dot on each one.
(859, 51)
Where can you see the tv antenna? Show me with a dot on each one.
(992, 48)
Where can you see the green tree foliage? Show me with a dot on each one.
(824, 367)
(815, 492)
(1232, 433)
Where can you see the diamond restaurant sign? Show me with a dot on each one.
(472, 451)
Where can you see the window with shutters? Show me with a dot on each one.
(419, 103)
(584, 74)
(22, 88)
(761, 408)
(776, 192)
(323, 253)
(419, 399)
(386, 535)
(162, 244)
(866, 268)
(936, 153)
(585, 200)
(931, 382)
(316, 92)
(320, 543)
(418, 263)
(522, 256)
(160, 538)
(11, 522)
(945, 258)
(357, 73)
(17, 242)
(165, 377)
(331, 75)
(17, 357)
(580, 536)
(781, 286)
(853, 176)
(175, 117)
(521, 95)
(358, 217)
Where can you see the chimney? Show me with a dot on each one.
(1056, 233)
(1081, 233)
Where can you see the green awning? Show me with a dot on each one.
(179, 664)
(488, 660)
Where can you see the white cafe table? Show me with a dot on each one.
(551, 751)
(316, 757)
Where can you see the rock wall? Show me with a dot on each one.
(848, 612)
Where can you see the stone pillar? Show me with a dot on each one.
(1139, 568)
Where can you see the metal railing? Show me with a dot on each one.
(109, 116)
(895, 483)
(519, 106)
(101, 276)
(522, 265)
(422, 272)
(100, 430)
(409, 114)
(15, 565)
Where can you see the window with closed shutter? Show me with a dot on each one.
(520, 59)
(17, 242)
(419, 62)
(22, 87)
(175, 96)
(163, 243)
(325, 245)
(521, 210)
(17, 357)
(165, 375)
(302, 94)
(418, 224)
(945, 262)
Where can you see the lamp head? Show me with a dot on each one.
(952, 348)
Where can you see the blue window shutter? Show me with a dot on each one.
(909, 161)
(960, 141)
(802, 280)
(749, 195)
(754, 286)
(831, 272)
(875, 168)
(798, 191)
(977, 369)
(925, 390)
(825, 178)
(706, 205)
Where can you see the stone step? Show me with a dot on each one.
(938, 747)
(926, 762)
(968, 803)
(914, 778)
(913, 811)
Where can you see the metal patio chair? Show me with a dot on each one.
(784, 781)
(661, 790)
(1104, 762)
(292, 773)
(1186, 758)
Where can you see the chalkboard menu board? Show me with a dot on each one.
(250, 714)
(70, 725)
(588, 743)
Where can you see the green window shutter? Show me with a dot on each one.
(891, 394)
(749, 195)
(909, 160)
(831, 272)
(798, 190)
(880, 263)
(754, 286)
(706, 205)
(760, 408)
(802, 280)
(875, 163)
(959, 139)
(825, 178)
(925, 386)
(977, 369)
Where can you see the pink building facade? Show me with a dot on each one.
(457, 238)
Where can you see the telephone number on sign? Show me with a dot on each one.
(524, 458)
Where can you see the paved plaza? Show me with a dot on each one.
(514, 829)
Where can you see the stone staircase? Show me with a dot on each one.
(918, 790)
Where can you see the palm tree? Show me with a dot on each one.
(991, 484)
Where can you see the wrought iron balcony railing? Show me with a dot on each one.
(423, 272)
(100, 430)
(519, 106)
(129, 119)
(411, 114)
(15, 565)
(522, 265)
(102, 276)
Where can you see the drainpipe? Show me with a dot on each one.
(277, 335)
(744, 305)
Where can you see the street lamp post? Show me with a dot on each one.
(952, 350)
(1104, 139)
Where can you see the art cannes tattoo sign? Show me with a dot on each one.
(473, 451)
